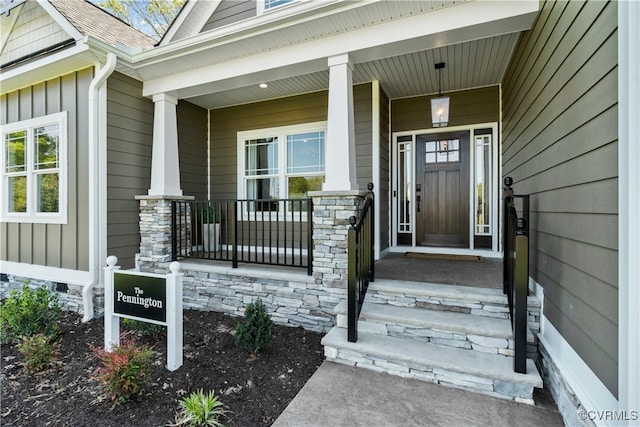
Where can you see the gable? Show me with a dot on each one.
(229, 12)
(34, 30)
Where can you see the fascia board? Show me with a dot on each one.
(212, 5)
(366, 44)
(61, 20)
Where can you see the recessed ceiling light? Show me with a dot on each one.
(264, 85)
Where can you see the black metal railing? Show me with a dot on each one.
(516, 270)
(269, 231)
(361, 270)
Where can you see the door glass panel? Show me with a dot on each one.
(445, 151)
(482, 184)
(404, 185)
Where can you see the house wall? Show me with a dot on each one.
(229, 12)
(227, 122)
(560, 146)
(34, 30)
(467, 107)
(55, 245)
(130, 140)
(382, 193)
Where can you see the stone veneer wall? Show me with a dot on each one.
(292, 298)
(69, 299)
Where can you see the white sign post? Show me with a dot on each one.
(147, 297)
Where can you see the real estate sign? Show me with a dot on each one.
(147, 297)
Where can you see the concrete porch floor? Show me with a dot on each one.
(397, 266)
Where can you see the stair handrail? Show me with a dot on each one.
(516, 270)
(360, 256)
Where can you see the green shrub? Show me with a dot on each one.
(123, 369)
(200, 409)
(28, 312)
(39, 351)
(145, 329)
(257, 330)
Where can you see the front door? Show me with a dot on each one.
(442, 189)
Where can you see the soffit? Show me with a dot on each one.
(473, 64)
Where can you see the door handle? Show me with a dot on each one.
(417, 203)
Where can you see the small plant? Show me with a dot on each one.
(200, 409)
(257, 330)
(123, 369)
(28, 312)
(145, 329)
(39, 351)
(211, 215)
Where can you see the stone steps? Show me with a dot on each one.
(454, 335)
(489, 374)
(453, 329)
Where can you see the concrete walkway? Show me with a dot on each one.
(340, 395)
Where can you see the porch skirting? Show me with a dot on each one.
(294, 299)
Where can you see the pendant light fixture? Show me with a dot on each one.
(440, 105)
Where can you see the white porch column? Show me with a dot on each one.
(165, 168)
(340, 164)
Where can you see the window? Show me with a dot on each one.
(268, 5)
(34, 170)
(483, 173)
(281, 163)
(446, 151)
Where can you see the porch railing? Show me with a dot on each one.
(263, 231)
(361, 268)
(516, 270)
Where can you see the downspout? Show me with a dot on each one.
(97, 179)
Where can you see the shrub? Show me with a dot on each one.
(39, 351)
(28, 312)
(123, 369)
(257, 330)
(200, 409)
(145, 329)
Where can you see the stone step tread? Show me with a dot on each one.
(446, 321)
(418, 354)
(449, 292)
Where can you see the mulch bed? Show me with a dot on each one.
(255, 389)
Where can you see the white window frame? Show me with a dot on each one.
(262, 9)
(282, 174)
(31, 216)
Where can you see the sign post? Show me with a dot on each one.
(147, 297)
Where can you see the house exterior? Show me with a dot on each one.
(255, 100)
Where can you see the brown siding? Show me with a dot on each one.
(230, 11)
(130, 137)
(560, 146)
(192, 140)
(467, 107)
(54, 245)
(227, 122)
(382, 193)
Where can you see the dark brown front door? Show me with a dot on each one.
(442, 189)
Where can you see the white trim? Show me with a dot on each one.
(280, 132)
(628, 206)
(31, 216)
(591, 392)
(61, 20)
(493, 252)
(184, 14)
(260, 10)
(41, 272)
(375, 160)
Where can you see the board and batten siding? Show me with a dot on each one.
(55, 245)
(466, 108)
(308, 108)
(560, 145)
(33, 31)
(229, 12)
(130, 141)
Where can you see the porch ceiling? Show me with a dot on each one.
(473, 64)
(394, 42)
